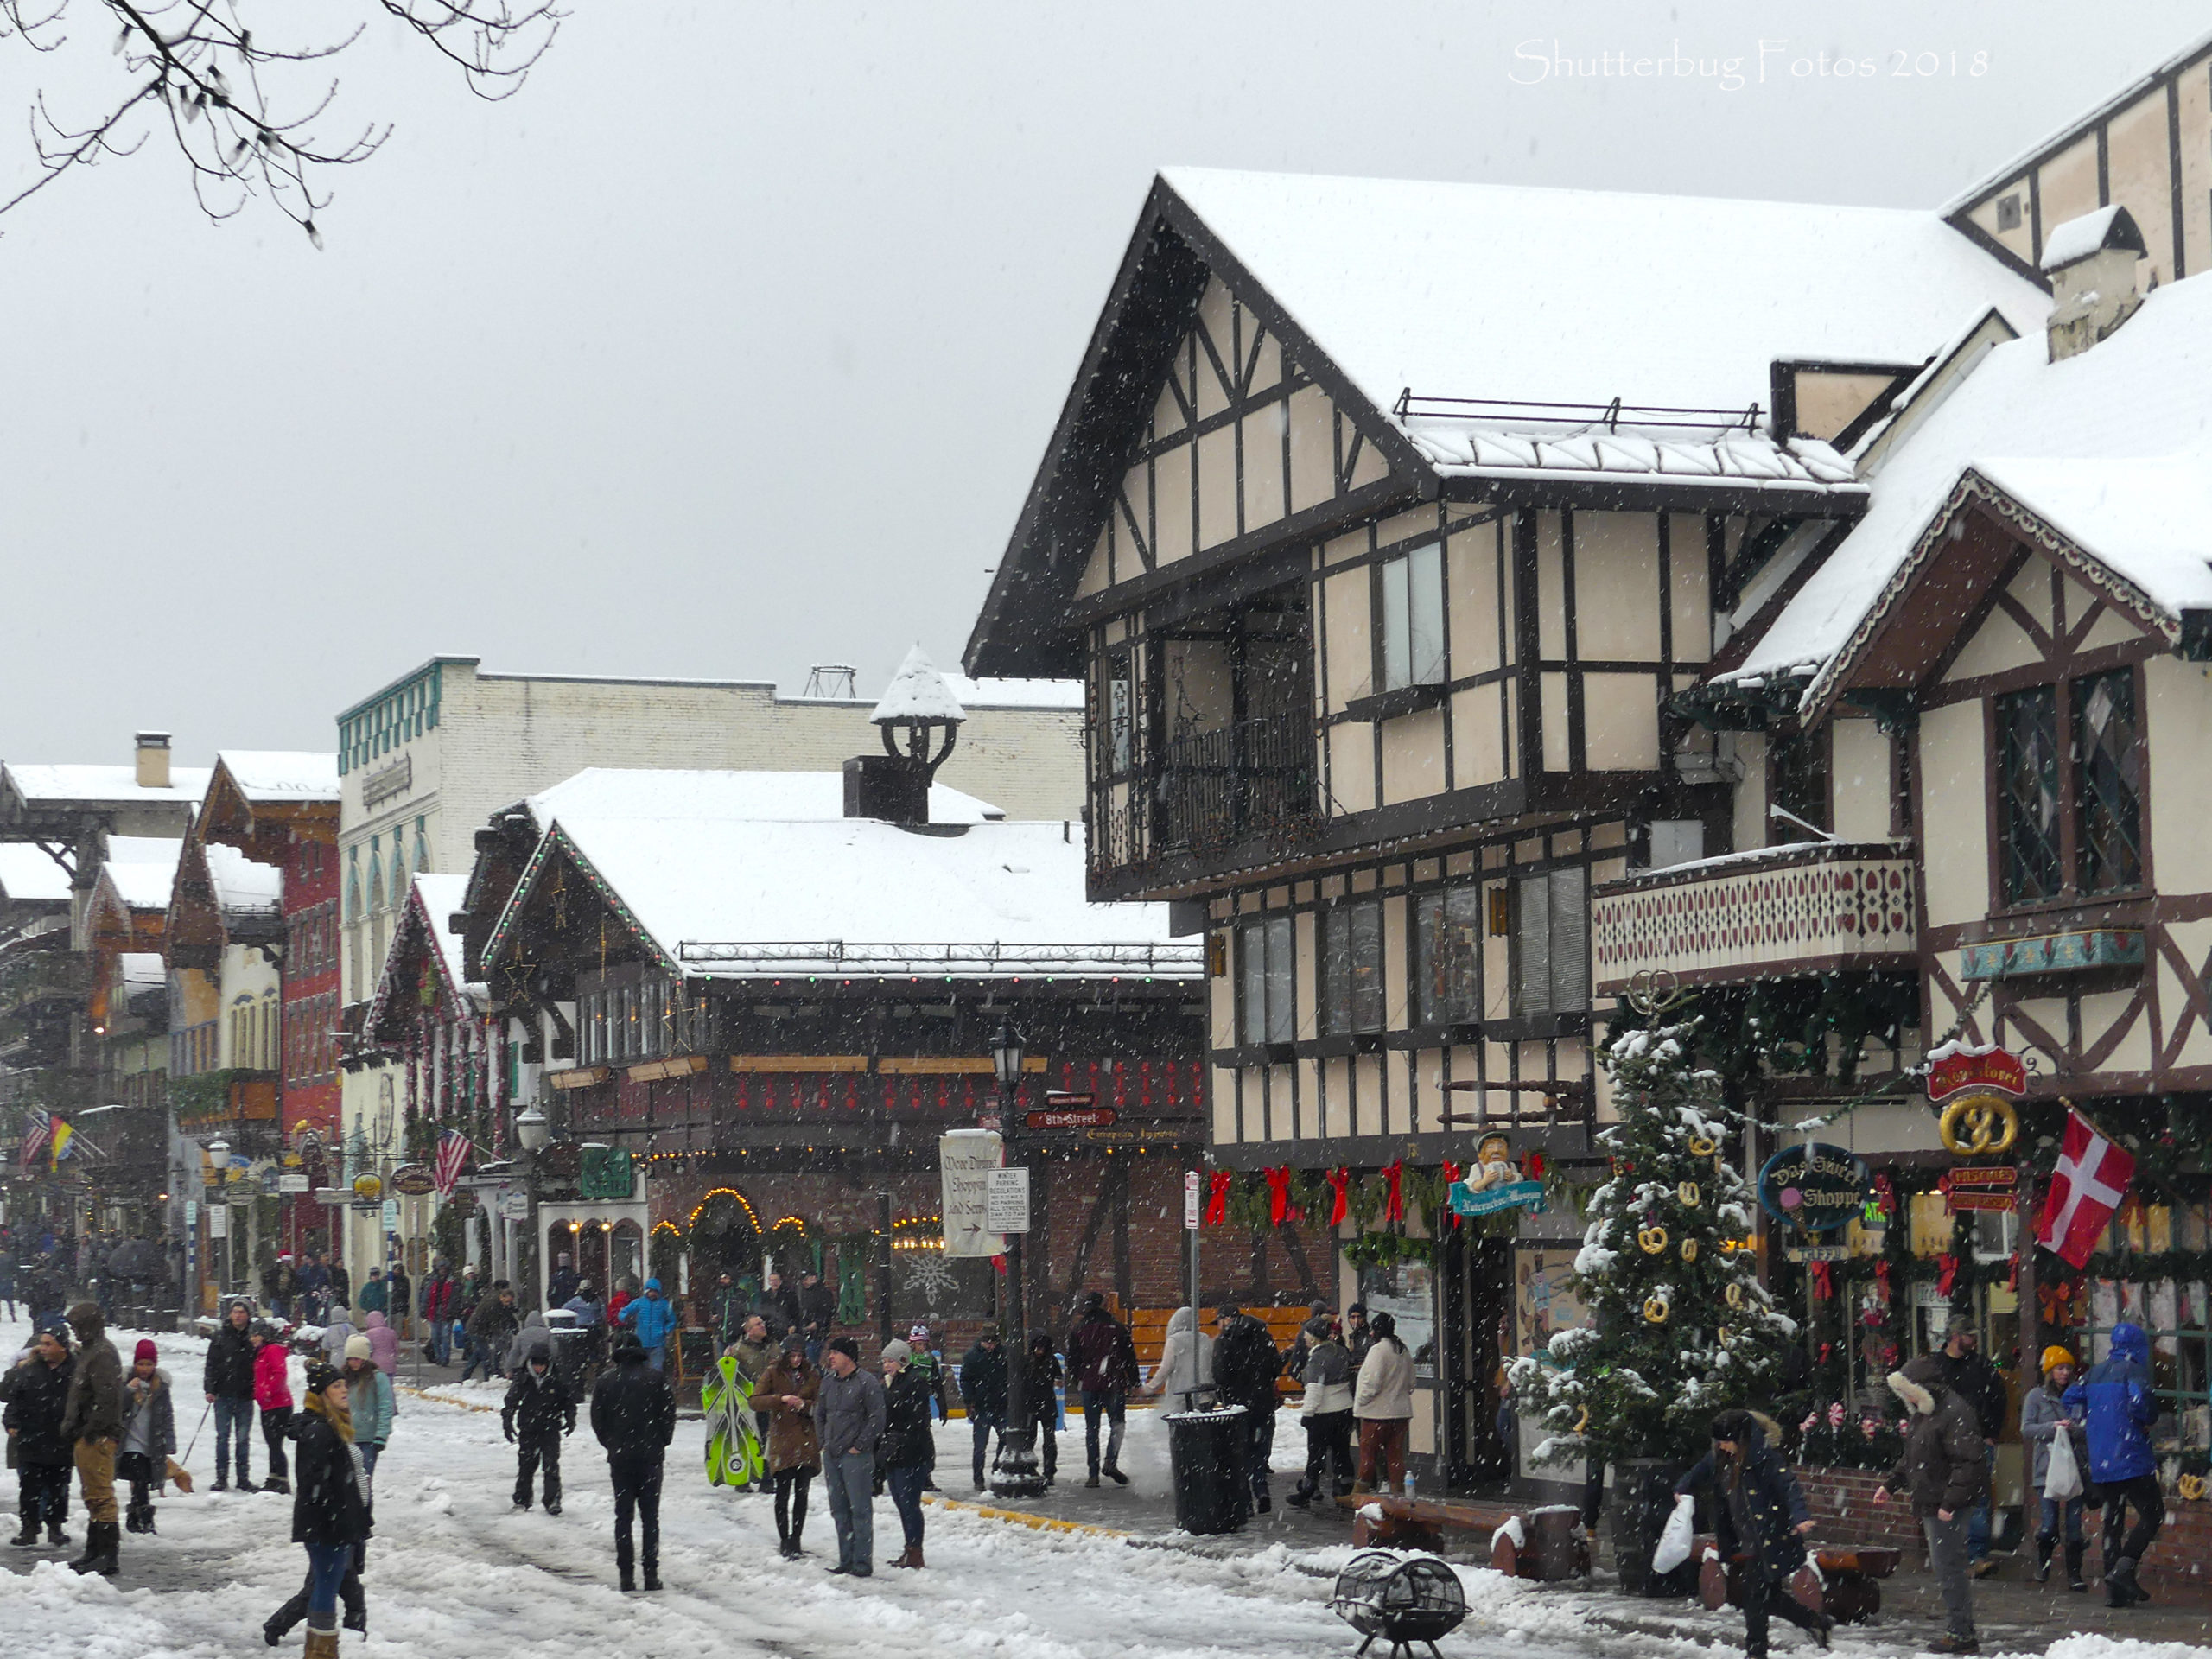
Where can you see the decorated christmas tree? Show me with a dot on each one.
(1680, 1326)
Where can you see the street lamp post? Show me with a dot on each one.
(1014, 1473)
(532, 1131)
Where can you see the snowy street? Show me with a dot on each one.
(453, 1572)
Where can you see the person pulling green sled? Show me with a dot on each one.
(733, 1453)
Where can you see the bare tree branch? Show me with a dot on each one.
(226, 96)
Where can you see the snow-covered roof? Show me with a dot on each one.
(2113, 447)
(1606, 448)
(1015, 694)
(2112, 226)
(142, 970)
(145, 880)
(736, 898)
(57, 786)
(1486, 290)
(242, 886)
(916, 692)
(278, 775)
(440, 896)
(29, 875)
(615, 791)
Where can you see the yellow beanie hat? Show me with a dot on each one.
(2054, 1356)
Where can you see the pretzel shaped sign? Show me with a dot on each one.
(1980, 1123)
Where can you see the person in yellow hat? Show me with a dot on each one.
(2042, 1419)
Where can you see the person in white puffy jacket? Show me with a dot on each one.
(1384, 1404)
(1177, 1377)
(1326, 1413)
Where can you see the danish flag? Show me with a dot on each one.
(2088, 1185)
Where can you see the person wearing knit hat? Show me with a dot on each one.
(92, 1423)
(148, 1434)
(904, 1447)
(373, 1404)
(330, 1505)
(2044, 1418)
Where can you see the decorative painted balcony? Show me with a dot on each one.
(1812, 908)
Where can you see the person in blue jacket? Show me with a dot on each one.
(1759, 1523)
(652, 1319)
(2115, 1400)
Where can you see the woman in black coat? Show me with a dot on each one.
(330, 1505)
(1760, 1521)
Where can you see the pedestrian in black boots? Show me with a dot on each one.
(148, 1434)
(634, 1414)
(1759, 1521)
(38, 1395)
(539, 1411)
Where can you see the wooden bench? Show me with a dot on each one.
(1386, 1521)
(1149, 1331)
(1846, 1587)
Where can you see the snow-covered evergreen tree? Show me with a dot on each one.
(1681, 1327)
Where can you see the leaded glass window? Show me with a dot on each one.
(2027, 804)
(2108, 784)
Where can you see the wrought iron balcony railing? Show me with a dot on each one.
(1207, 793)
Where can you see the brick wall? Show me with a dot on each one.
(2179, 1566)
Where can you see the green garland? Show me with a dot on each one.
(207, 1094)
(1386, 1249)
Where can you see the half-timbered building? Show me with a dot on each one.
(1384, 522)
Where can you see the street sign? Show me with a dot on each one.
(391, 1215)
(192, 1212)
(219, 1221)
(293, 1181)
(1006, 1201)
(1190, 1200)
(514, 1206)
(413, 1181)
(1074, 1117)
(965, 1159)
(331, 1195)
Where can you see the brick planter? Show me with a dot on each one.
(2178, 1568)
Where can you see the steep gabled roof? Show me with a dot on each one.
(1381, 288)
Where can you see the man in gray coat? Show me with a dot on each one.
(1944, 1472)
(847, 1422)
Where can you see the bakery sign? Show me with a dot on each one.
(1956, 1067)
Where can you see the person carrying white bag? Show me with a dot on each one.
(1759, 1521)
(2059, 1451)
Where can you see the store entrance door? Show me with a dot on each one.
(1477, 1302)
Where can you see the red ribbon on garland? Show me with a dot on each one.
(1882, 1280)
(1946, 1273)
(1824, 1278)
(1278, 1182)
(1394, 1207)
(1339, 1180)
(1217, 1186)
(1451, 1178)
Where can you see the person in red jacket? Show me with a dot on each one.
(439, 1294)
(272, 1392)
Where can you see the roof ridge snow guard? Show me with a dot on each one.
(835, 956)
(1416, 405)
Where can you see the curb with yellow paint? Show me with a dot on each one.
(1023, 1517)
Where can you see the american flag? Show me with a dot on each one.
(38, 1127)
(453, 1148)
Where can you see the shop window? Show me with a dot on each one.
(1351, 969)
(1551, 928)
(1447, 944)
(1413, 618)
(1265, 955)
(2027, 795)
(2108, 784)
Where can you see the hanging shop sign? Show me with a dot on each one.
(1981, 1124)
(1814, 1187)
(1818, 1253)
(1494, 1183)
(1981, 1186)
(413, 1181)
(1956, 1067)
(965, 1159)
(367, 1188)
(293, 1181)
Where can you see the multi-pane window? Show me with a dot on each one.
(1351, 969)
(1551, 938)
(1413, 618)
(2107, 785)
(2027, 795)
(1266, 967)
(1121, 714)
(1448, 946)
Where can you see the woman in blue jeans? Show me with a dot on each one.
(2044, 1417)
(330, 1501)
(903, 1454)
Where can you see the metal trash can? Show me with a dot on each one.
(1205, 1450)
(572, 1350)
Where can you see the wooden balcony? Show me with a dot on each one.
(1205, 797)
(1812, 908)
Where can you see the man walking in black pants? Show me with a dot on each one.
(633, 1414)
(536, 1413)
(2116, 1401)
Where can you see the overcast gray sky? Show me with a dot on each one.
(731, 344)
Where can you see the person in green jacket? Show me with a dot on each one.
(373, 1406)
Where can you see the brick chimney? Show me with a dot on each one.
(2091, 262)
(152, 760)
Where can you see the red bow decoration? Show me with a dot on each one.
(1450, 1172)
(1217, 1196)
(1824, 1278)
(1946, 1273)
(1450, 1217)
(1885, 1194)
(1394, 1207)
(1339, 1180)
(1278, 1182)
(2057, 1302)
(1533, 1166)
(1882, 1279)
